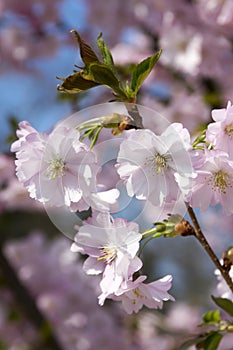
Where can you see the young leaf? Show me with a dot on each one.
(105, 52)
(104, 75)
(225, 304)
(212, 341)
(142, 70)
(87, 54)
(75, 83)
(211, 317)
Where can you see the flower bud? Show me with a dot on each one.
(228, 258)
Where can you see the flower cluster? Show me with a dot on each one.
(112, 245)
(214, 164)
(157, 169)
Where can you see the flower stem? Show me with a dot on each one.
(135, 115)
(201, 238)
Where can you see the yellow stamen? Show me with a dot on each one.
(220, 180)
(158, 162)
(108, 254)
(56, 168)
(228, 130)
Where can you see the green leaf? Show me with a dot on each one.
(75, 83)
(87, 54)
(225, 304)
(105, 52)
(142, 70)
(211, 317)
(212, 341)
(104, 75)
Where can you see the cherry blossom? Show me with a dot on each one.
(135, 294)
(112, 245)
(59, 170)
(29, 150)
(220, 133)
(214, 181)
(156, 167)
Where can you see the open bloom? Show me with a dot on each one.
(135, 294)
(157, 168)
(112, 245)
(29, 150)
(58, 169)
(214, 181)
(67, 168)
(220, 133)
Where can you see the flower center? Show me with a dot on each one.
(228, 130)
(158, 162)
(220, 180)
(108, 253)
(56, 168)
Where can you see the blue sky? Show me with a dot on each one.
(34, 97)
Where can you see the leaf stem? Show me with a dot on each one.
(201, 238)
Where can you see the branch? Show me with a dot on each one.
(201, 238)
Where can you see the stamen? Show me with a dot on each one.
(220, 180)
(228, 130)
(56, 168)
(158, 161)
(108, 254)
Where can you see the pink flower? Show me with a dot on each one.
(112, 245)
(58, 169)
(214, 181)
(29, 150)
(135, 294)
(67, 169)
(220, 133)
(154, 167)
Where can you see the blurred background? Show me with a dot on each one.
(46, 301)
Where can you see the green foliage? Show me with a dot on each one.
(105, 52)
(142, 70)
(211, 317)
(87, 54)
(204, 342)
(200, 139)
(225, 304)
(215, 325)
(76, 83)
(104, 75)
(96, 72)
(212, 341)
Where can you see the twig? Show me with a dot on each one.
(201, 238)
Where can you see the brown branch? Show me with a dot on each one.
(201, 238)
